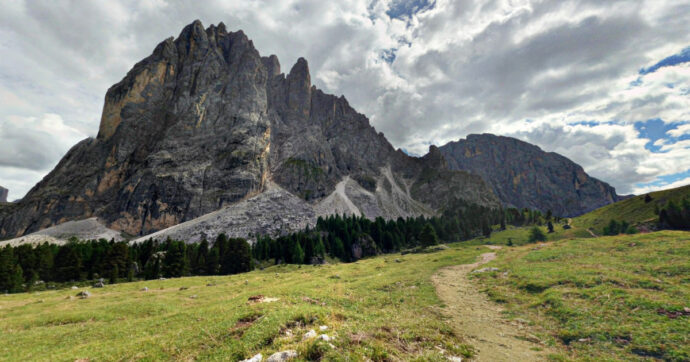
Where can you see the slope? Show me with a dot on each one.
(634, 210)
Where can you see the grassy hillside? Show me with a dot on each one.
(616, 298)
(609, 298)
(633, 210)
(378, 308)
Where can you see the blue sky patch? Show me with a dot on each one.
(682, 57)
(406, 8)
(655, 129)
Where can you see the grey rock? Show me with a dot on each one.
(99, 285)
(257, 358)
(524, 176)
(84, 294)
(484, 270)
(309, 335)
(282, 356)
(201, 126)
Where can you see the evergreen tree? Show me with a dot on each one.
(428, 236)
(549, 225)
(67, 264)
(213, 261)
(297, 254)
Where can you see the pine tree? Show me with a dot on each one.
(297, 254)
(67, 264)
(428, 235)
(549, 225)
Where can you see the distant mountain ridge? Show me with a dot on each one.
(524, 176)
(206, 123)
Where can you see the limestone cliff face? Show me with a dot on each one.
(522, 175)
(205, 122)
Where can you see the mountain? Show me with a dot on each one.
(3, 194)
(205, 123)
(522, 175)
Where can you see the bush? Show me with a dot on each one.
(536, 235)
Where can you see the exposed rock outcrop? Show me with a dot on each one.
(3, 194)
(205, 123)
(522, 175)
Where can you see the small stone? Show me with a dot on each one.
(323, 328)
(193, 296)
(99, 285)
(145, 289)
(161, 278)
(455, 359)
(282, 356)
(75, 287)
(309, 335)
(84, 294)
(246, 282)
(256, 358)
(325, 337)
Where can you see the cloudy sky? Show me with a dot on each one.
(605, 83)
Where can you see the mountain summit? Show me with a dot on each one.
(524, 176)
(205, 123)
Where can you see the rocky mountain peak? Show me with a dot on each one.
(205, 123)
(523, 175)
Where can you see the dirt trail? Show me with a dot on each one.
(479, 320)
(589, 230)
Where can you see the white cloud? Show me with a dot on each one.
(460, 67)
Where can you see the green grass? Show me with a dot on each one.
(633, 210)
(376, 308)
(601, 298)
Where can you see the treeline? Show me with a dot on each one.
(615, 228)
(349, 238)
(22, 267)
(346, 238)
(675, 216)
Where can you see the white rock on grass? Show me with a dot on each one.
(323, 328)
(455, 359)
(256, 358)
(282, 356)
(325, 337)
(75, 287)
(310, 334)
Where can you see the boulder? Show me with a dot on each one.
(257, 358)
(309, 335)
(282, 356)
(84, 294)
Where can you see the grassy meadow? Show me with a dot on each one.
(608, 298)
(379, 309)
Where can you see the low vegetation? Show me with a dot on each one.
(378, 308)
(610, 298)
